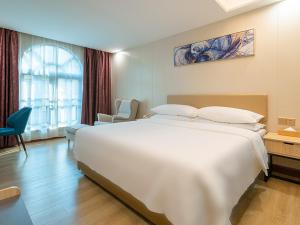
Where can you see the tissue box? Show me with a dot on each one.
(289, 133)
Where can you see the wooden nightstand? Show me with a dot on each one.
(282, 146)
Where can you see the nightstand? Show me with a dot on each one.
(281, 146)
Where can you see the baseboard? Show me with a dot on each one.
(46, 139)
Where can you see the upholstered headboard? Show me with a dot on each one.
(255, 103)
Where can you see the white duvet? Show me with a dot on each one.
(193, 173)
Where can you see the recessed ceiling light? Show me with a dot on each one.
(230, 5)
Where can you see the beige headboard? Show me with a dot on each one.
(255, 103)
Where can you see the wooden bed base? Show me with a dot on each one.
(123, 196)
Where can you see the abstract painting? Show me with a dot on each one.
(229, 46)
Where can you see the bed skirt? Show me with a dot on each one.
(123, 196)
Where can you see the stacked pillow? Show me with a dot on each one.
(176, 110)
(213, 114)
(240, 118)
(229, 115)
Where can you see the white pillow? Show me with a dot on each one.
(170, 117)
(176, 110)
(229, 115)
(248, 126)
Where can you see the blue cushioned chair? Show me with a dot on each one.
(16, 124)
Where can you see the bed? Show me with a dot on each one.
(176, 172)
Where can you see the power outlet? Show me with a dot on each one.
(291, 122)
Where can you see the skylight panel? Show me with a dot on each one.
(230, 5)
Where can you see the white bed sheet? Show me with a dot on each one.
(262, 132)
(193, 173)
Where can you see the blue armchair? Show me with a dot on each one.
(16, 124)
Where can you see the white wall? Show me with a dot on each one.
(148, 74)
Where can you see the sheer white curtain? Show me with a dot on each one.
(51, 75)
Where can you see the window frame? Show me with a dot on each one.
(54, 103)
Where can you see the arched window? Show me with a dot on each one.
(51, 83)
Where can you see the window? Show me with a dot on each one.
(50, 83)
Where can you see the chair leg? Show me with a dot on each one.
(16, 136)
(22, 141)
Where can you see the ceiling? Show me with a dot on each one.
(113, 25)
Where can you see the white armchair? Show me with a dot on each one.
(126, 110)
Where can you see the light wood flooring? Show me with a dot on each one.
(56, 193)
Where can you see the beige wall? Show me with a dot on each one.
(148, 74)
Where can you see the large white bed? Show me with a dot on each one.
(193, 173)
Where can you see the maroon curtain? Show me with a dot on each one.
(96, 85)
(9, 80)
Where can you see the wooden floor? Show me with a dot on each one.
(56, 193)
